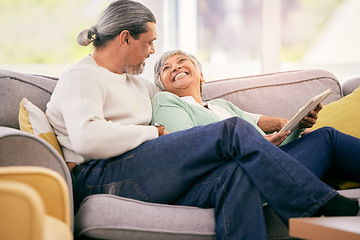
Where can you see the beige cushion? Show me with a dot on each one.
(34, 121)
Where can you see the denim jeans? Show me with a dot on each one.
(226, 165)
(327, 149)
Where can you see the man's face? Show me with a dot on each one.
(179, 75)
(140, 49)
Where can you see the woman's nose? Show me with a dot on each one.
(176, 67)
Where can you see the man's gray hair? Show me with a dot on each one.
(164, 57)
(120, 15)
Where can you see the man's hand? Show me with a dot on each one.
(161, 130)
(277, 138)
(310, 120)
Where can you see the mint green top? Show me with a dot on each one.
(176, 114)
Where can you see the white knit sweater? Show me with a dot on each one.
(99, 114)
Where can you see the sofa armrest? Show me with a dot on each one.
(350, 85)
(18, 148)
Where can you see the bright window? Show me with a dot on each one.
(231, 37)
(223, 34)
(322, 34)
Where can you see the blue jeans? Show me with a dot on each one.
(226, 165)
(327, 149)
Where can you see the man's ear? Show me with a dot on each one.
(124, 38)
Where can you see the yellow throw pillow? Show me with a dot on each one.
(343, 115)
(34, 121)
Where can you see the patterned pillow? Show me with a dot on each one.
(34, 121)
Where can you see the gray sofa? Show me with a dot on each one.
(112, 217)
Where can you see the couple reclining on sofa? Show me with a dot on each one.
(168, 154)
(101, 112)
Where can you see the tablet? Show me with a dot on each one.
(303, 111)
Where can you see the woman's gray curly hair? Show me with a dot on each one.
(164, 57)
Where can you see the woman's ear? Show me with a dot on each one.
(202, 81)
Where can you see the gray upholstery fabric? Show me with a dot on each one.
(276, 229)
(21, 148)
(351, 193)
(350, 85)
(278, 94)
(111, 217)
(16, 86)
(132, 219)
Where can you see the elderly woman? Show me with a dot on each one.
(181, 107)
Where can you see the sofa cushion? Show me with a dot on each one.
(34, 121)
(15, 86)
(111, 217)
(342, 115)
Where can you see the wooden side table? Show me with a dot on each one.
(325, 228)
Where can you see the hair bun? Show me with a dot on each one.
(87, 36)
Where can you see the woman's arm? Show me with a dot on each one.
(274, 124)
(173, 118)
(169, 111)
(271, 124)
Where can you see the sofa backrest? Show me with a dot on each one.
(16, 86)
(277, 94)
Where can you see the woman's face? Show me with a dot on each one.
(179, 75)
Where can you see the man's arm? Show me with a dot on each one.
(90, 134)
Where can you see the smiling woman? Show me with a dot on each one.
(180, 107)
(180, 76)
(165, 56)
